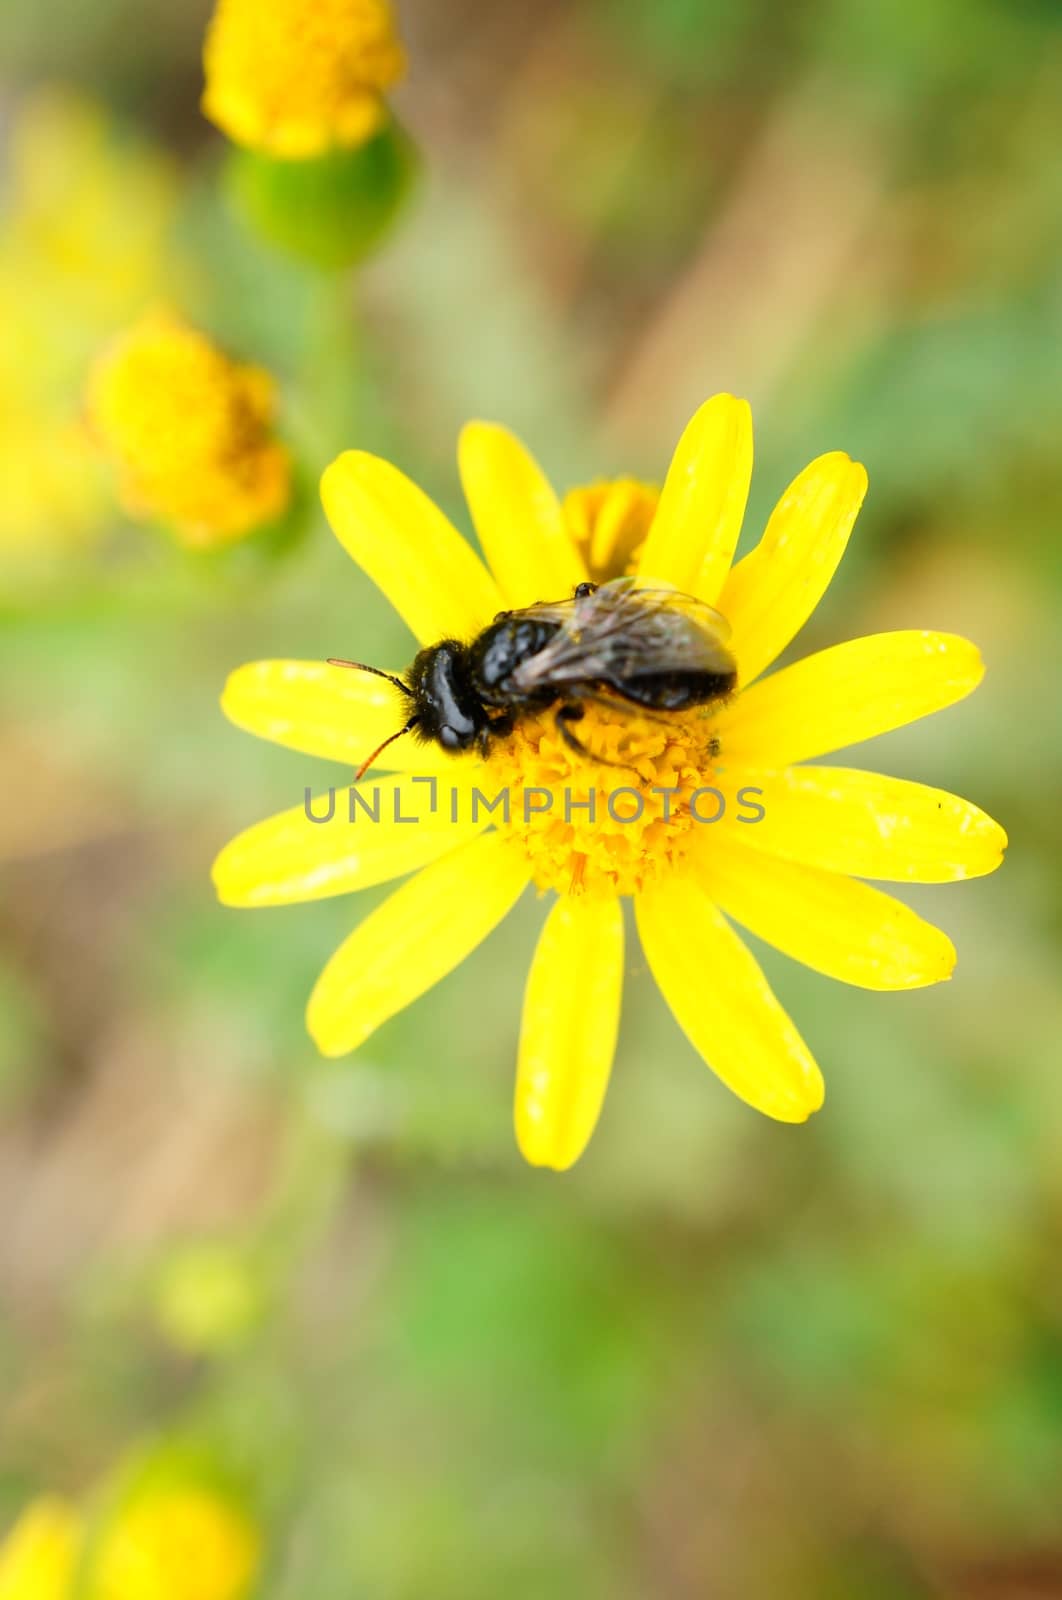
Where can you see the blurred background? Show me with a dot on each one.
(722, 1357)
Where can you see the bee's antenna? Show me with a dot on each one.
(360, 666)
(366, 764)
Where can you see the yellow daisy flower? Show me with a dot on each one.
(190, 433)
(298, 78)
(792, 878)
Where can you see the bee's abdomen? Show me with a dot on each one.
(674, 691)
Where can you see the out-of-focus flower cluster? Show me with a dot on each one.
(321, 167)
(88, 220)
(164, 1540)
(84, 244)
(190, 432)
(296, 80)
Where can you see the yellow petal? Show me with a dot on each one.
(326, 711)
(846, 694)
(568, 1034)
(838, 926)
(861, 823)
(288, 858)
(768, 596)
(419, 934)
(432, 576)
(722, 1002)
(693, 534)
(517, 516)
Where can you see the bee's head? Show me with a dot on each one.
(448, 707)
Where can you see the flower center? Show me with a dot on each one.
(605, 826)
(295, 79)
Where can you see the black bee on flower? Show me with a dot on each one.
(624, 641)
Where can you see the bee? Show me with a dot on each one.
(651, 647)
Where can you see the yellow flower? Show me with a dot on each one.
(88, 210)
(176, 1543)
(792, 879)
(84, 242)
(189, 432)
(297, 78)
(38, 1557)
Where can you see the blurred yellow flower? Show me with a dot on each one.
(52, 496)
(88, 208)
(176, 1543)
(189, 432)
(83, 243)
(793, 879)
(208, 1297)
(297, 78)
(38, 1557)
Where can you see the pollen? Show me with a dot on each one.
(189, 432)
(297, 78)
(612, 821)
(608, 522)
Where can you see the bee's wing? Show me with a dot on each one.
(623, 631)
(559, 611)
(656, 595)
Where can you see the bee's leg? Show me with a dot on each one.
(497, 727)
(566, 715)
(570, 713)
